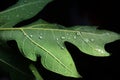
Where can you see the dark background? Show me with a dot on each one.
(76, 12)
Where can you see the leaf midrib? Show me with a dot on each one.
(52, 29)
(49, 29)
(45, 50)
(18, 7)
(31, 28)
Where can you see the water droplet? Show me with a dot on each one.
(33, 71)
(60, 45)
(57, 39)
(78, 33)
(86, 40)
(31, 35)
(99, 50)
(40, 37)
(62, 37)
(92, 40)
(74, 37)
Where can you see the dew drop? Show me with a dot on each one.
(60, 45)
(74, 37)
(31, 35)
(99, 50)
(33, 71)
(78, 33)
(57, 39)
(86, 40)
(92, 40)
(40, 37)
(62, 37)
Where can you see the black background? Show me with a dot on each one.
(77, 12)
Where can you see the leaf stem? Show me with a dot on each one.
(35, 72)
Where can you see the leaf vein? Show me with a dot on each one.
(18, 7)
(45, 50)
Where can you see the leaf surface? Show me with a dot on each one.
(22, 10)
(48, 42)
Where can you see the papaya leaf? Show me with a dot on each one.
(15, 65)
(22, 10)
(48, 42)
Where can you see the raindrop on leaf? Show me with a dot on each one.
(62, 37)
(31, 35)
(78, 33)
(92, 40)
(74, 37)
(57, 39)
(60, 45)
(86, 40)
(99, 50)
(40, 37)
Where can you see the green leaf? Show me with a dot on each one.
(22, 10)
(14, 64)
(48, 42)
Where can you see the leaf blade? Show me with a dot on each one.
(22, 10)
(49, 44)
(51, 57)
